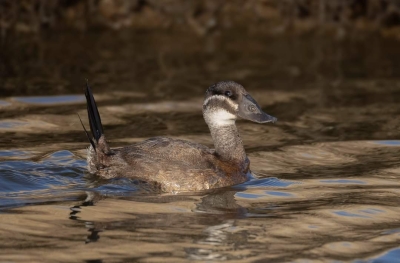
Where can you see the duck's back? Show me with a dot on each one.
(174, 165)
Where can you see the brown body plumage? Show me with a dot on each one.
(173, 165)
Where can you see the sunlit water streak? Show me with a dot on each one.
(48, 100)
(325, 184)
(59, 177)
(292, 188)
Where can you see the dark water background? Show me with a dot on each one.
(327, 187)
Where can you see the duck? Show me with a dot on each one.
(176, 165)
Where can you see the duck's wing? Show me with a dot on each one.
(167, 152)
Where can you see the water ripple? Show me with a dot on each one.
(51, 175)
(391, 256)
(49, 100)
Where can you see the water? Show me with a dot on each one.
(327, 173)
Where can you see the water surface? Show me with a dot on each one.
(326, 186)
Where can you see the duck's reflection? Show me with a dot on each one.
(219, 238)
(94, 232)
(90, 200)
(216, 211)
(222, 202)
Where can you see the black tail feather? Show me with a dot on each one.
(94, 117)
(87, 134)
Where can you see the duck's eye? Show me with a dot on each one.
(252, 108)
(228, 93)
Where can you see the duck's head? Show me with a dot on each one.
(227, 100)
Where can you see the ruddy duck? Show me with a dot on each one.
(174, 165)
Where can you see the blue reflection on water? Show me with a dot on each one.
(276, 193)
(4, 103)
(343, 181)
(53, 177)
(391, 231)
(247, 195)
(46, 100)
(12, 124)
(118, 187)
(348, 214)
(263, 183)
(14, 153)
(27, 181)
(388, 142)
(372, 211)
(266, 182)
(392, 256)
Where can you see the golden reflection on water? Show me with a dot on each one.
(327, 185)
(311, 222)
(323, 203)
(310, 217)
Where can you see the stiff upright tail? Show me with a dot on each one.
(97, 154)
(94, 118)
(93, 113)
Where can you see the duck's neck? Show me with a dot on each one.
(227, 142)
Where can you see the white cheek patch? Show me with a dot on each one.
(222, 117)
(221, 98)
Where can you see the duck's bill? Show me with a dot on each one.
(250, 110)
(259, 118)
